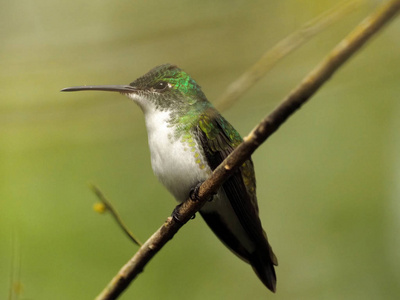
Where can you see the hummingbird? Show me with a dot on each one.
(188, 138)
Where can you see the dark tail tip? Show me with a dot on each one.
(263, 265)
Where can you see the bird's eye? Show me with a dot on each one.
(161, 86)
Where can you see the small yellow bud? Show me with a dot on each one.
(99, 207)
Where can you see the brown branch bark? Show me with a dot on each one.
(339, 55)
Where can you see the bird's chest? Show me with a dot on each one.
(177, 161)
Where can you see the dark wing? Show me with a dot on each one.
(218, 139)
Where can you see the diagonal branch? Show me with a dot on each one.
(339, 55)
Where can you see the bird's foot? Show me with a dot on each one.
(194, 193)
(177, 216)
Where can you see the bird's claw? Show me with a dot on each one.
(177, 216)
(194, 193)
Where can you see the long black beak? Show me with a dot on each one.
(108, 88)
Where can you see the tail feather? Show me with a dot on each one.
(263, 265)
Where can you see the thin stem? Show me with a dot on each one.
(114, 213)
(283, 48)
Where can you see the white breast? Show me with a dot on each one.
(175, 163)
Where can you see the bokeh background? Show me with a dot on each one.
(328, 180)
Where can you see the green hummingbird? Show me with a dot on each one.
(188, 139)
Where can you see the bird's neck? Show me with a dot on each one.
(180, 121)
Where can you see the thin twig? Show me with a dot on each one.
(287, 45)
(266, 128)
(114, 213)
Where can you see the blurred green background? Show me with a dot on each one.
(328, 180)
